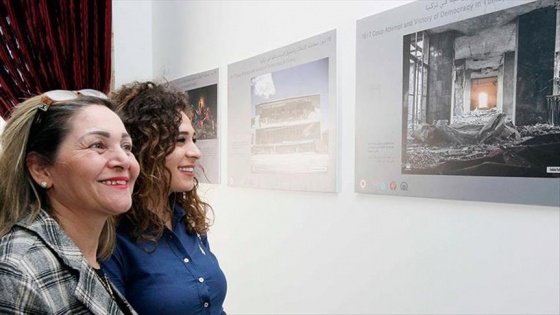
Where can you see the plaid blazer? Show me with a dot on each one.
(43, 272)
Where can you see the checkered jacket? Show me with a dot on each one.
(43, 272)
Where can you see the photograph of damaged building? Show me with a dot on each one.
(290, 123)
(482, 95)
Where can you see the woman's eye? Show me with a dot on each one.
(97, 145)
(182, 140)
(127, 147)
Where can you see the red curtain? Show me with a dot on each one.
(53, 44)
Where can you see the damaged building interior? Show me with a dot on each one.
(481, 96)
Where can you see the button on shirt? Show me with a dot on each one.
(179, 276)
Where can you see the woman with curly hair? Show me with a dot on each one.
(162, 262)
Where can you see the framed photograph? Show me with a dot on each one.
(202, 89)
(466, 104)
(282, 118)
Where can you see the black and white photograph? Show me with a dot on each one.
(460, 100)
(481, 95)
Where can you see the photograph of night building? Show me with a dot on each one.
(481, 96)
(202, 89)
(204, 104)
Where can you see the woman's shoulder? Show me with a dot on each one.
(32, 268)
(18, 243)
(24, 252)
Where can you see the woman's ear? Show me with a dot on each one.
(38, 169)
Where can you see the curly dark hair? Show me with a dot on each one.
(151, 113)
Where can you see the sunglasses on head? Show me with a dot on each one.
(51, 97)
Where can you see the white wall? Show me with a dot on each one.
(341, 253)
(132, 41)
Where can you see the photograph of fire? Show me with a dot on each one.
(481, 97)
(204, 103)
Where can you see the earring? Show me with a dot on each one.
(184, 195)
(44, 184)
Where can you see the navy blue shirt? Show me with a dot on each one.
(179, 276)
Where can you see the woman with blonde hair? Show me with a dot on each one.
(67, 169)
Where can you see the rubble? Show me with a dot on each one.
(483, 138)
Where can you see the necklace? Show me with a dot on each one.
(105, 282)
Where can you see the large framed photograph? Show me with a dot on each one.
(282, 118)
(466, 106)
(202, 89)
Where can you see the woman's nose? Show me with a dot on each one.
(121, 158)
(194, 151)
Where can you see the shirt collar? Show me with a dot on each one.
(178, 212)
